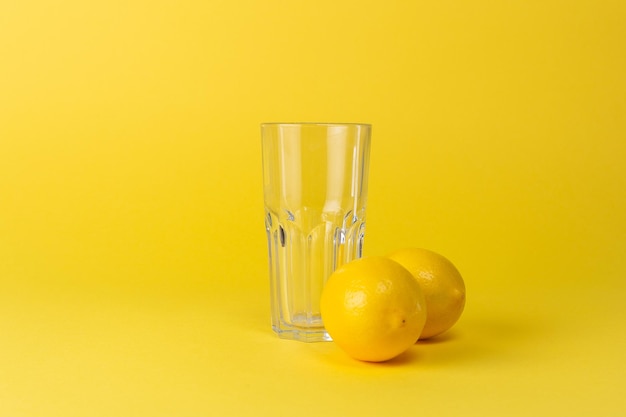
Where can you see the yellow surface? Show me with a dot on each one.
(132, 251)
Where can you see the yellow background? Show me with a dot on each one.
(133, 277)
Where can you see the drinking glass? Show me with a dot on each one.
(315, 193)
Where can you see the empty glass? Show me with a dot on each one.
(315, 192)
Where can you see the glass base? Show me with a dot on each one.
(303, 335)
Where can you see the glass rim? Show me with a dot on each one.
(321, 124)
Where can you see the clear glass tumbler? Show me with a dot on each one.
(315, 192)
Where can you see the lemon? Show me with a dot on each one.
(441, 283)
(373, 308)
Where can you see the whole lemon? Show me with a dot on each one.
(441, 283)
(373, 308)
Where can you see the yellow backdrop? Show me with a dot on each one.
(133, 277)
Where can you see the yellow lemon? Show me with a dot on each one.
(373, 308)
(442, 285)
